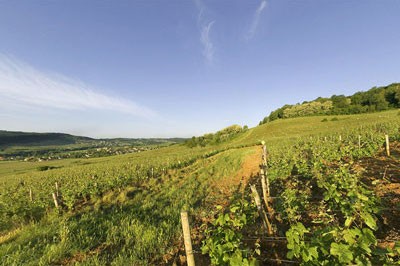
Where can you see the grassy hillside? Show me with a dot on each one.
(292, 128)
(124, 210)
(276, 132)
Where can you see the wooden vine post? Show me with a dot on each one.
(187, 239)
(264, 169)
(387, 145)
(257, 199)
(30, 195)
(264, 155)
(55, 200)
(57, 192)
(264, 188)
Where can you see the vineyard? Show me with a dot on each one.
(315, 193)
(321, 206)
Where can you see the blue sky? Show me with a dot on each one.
(182, 68)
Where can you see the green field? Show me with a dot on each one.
(125, 209)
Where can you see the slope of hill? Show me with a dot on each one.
(125, 209)
(373, 100)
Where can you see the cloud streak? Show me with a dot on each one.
(256, 20)
(21, 84)
(205, 26)
(208, 47)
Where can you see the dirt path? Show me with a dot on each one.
(222, 190)
(250, 167)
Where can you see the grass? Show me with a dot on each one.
(304, 126)
(138, 224)
(12, 169)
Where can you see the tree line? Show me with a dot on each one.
(223, 135)
(373, 100)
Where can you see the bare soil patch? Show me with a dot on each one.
(382, 173)
(228, 185)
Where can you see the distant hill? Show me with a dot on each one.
(28, 139)
(16, 138)
(373, 100)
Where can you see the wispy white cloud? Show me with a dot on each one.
(208, 47)
(22, 84)
(256, 19)
(205, 26)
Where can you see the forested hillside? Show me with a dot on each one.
(375, 99)
(12, 138)
(221, 136)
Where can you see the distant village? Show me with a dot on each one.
(89, 153)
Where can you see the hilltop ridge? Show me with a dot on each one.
(13, 138)
(376, 99)
(19, 138)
